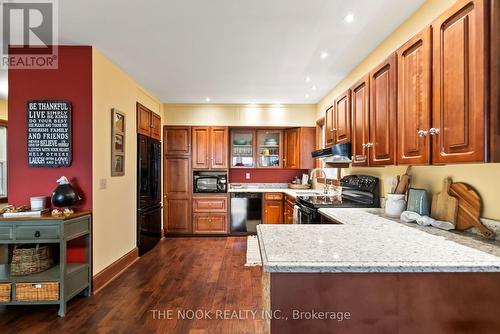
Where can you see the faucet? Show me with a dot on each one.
(325, 189)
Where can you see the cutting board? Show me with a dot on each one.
(444, 206)
(469, 208)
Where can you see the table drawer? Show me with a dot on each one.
(37, 232)
(273, 196)
(209, 223)
(5, 232)
(209, 204)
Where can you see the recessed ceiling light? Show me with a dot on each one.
(323, 55)
(308, 79)
(307, 96)
(207, 99)
(349, 18)
(313, 87)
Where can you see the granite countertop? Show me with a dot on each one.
(272, 188)
(365, 242)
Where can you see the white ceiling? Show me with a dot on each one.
(233, 51)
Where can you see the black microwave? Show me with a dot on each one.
(209, 182)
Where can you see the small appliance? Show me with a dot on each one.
(209, 182)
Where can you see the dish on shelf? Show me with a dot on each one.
(240, 142)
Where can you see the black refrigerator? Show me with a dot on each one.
(148, 193)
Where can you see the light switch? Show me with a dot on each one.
(103, 183)
(247, 176)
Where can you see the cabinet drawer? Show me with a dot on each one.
(273, 196)
(290, 200)
(210, 224)
(37, 232)
(5, 232)
(209, 204)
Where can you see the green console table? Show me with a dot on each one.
(73, 278)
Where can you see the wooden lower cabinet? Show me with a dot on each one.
(177, 216)
(210, 223)
(289, 203)
(273, 208)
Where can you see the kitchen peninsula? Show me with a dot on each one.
(386, 276)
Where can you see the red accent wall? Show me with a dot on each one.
(265, 175)
(72, 81)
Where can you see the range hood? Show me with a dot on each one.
(340, 153)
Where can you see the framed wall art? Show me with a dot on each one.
(117, 143)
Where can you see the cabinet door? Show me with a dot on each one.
(218, 147)
(242, 148)
(269, 148)
(273, 212)
(155, 126)
(414, 99)
(342, 119)
(360, 121)
(329, 137)
(143, 120)
(383, 113)
(201, 147)
(177, 140)
(292, 146)
(458, 115)
(177, 216)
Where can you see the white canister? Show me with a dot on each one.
(395, 204)
(38, 203)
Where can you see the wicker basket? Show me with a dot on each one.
(27, 261)
(47, 291)
(4, 292)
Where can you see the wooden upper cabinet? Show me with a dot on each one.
(383, 113)
(155, 126)
(414, 99)
(299, 143)
(329, 137)
(177, 140)
(210, 147)
(360, 111)
(292, 142)
(201, 147)
(342, 119)
(458, 115)
(219, 147)
(143, 120)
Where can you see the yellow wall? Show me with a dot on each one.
(114, 208)
(240, 115)
(3, 110)
(484, 177)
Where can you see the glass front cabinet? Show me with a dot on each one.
(242, 149)
(269, 152)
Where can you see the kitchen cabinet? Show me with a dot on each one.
(458, 81)
(210, 214)
(177, 194)
(383, 113)
(289, 203)
(242, 149)
(494, 133)
(298, 145)
(342, 119)
(273, 208)
(177, 140)
(148, 122)
(210, 146)
(269, 145)
(414, 99)
(329, 138)
(360, 111)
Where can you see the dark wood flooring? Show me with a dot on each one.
(179, 274)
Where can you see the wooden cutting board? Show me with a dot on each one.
(444, 206)
(469, 208)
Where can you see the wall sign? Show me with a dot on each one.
(49, 133)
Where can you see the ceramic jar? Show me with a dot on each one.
(395, 204)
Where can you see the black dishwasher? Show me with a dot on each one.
(246, 212)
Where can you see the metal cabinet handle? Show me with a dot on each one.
(368, 145)
(37, 234)
(422, 133)
(363, 145)
(434, 131)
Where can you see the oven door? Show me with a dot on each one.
(206, 184)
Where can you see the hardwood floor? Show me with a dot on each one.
(179, 274)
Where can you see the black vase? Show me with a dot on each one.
(64, 196)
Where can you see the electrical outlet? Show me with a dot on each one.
(247, 176)
(103, 183)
